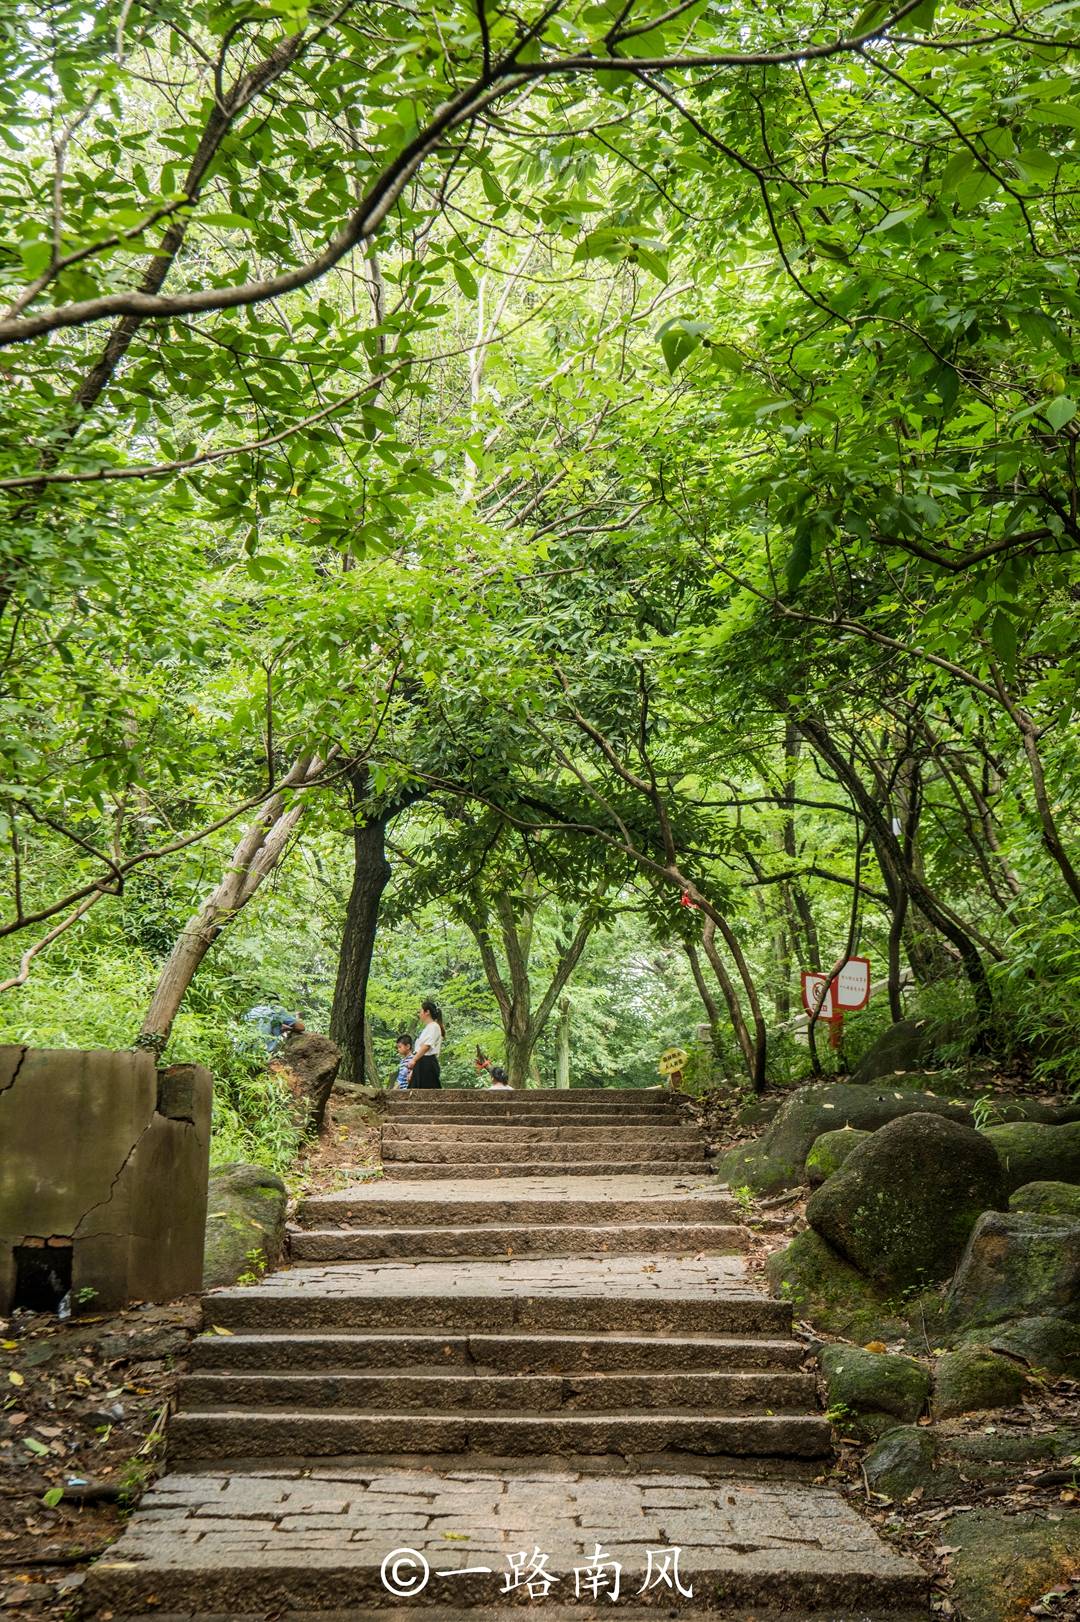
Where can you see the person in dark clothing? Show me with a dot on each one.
(425, 1059)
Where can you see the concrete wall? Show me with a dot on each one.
(104, 1151)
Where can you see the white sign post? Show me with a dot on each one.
(831, 998)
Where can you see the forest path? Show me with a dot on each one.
(482, 1371)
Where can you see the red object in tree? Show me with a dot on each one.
(685, 901)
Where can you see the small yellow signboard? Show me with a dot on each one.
(672, 1060)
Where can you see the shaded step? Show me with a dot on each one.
(253, 1309)
(417, 1170)
(224, 1433)
(508, 1146)
(521, 1353)
(596, 1393)
(515, 1118)
(515, 1132)
(505, 1239)
(517, 1207)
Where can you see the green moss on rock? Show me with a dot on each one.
(1048, 1199)
(974, 1378)
(872, 1390)
(245, 1223)
(1048, 1344)
(829, 1153)
(1005, 1562)
(904, 1460)
(1016, 1265)
(777, 1159)
(1036, 1152)
(901, 1207)
(827, 1291)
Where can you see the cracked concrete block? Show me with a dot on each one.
(103, 1150)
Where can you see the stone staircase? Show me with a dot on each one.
(583, 1132)
(468, 1368)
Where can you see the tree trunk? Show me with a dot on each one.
(371, 875)
(562, 1052)
(258, 852)
(519, 1047)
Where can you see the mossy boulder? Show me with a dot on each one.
(973, 1378)
(828, 1291)
(871, 1391)
(939, 1464)
(829, 1153)
(1050, 1345)
(777, 1159)
(909, 1045)
(1048, 1199)
(1036, 1151)
(903, 1460)
(902, 1205)
(1016, 1265)
(245, 1223)
(1004, 1562)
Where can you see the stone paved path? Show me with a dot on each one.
(619, 1382)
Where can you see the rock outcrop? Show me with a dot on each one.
(901, 1207)
(245, 1223)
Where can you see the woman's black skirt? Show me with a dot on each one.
(426, 1072)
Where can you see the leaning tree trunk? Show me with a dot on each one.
(258, 852)
(371, 875)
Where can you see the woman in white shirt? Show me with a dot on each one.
(428, 1046)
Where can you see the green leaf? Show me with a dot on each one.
(1003, 638)
(870, 17)
(51, 1498)
(1060, 411)
(465, 279)
(802, 555)
(678, 339)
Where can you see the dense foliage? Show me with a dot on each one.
(621, 456)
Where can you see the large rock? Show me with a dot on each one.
(941, 1464)
(823, 1288)
(1049, 1345)
(904, 1460)
(974, 1378)
(909, 1045)
(1016, 1265)
(901, 1207)
(309, 1064)
(1036, 1152)
(829, 1152)
(1005, 1562)
(1048, 1199)
(245, 1223)
(777, 1159)
(868, 1392)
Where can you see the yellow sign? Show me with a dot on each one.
(671, 1060)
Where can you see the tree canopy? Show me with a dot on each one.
(600, 470)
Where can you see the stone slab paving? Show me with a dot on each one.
(551, 1189)
(669, 1277)
(328, 1531)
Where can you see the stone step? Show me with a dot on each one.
(616, 1097)
(595, 1393)
(251, 1309)
(514, 1239)
(511, 1133)
(418, 1170)
(519, 1207)
(429, 1148)
(311, 1543)
(419, 1114)
(535, 1353)
(240, 1434)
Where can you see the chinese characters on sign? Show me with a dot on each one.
(406, 1573)
(830, 997)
